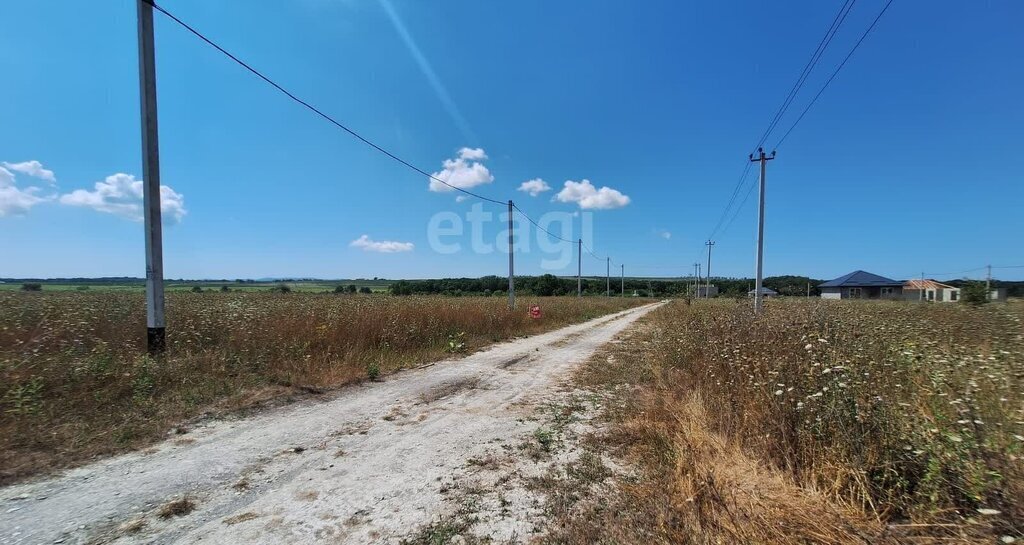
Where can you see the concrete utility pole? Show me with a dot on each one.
(579, 268)
(988, 284)
(922, 286)
(511, 262)
(156, 326)
(608, 278)
(696, 279)
(760, 228)
(707, 290)
(622, 279)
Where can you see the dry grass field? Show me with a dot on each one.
(75, 383)
(820, 422)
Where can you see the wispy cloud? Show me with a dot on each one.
(121, 195)
(428, 71)
(534, 187)
(589, 197)
(15, 201)
(32, 168)
(367, 244)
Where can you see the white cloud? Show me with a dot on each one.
(461, 198)
(32, 168)
(464, 172)
(589, 197)
(121, 195)
(534, 187)
(472, 154)
(664, 234)
(15, 201)
(384, 246)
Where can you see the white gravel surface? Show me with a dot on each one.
(369, 465)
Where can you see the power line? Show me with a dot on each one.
(537, 225)
(837, 22)
(732, 199)
(823, 44)
(838, 68)
(739, 208)
(312, 108)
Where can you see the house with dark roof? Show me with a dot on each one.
(765, 292)
(861, 285)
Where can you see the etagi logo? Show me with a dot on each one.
(446, 234)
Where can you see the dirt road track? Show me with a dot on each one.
(366, 466)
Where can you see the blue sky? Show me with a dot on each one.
(909, 162)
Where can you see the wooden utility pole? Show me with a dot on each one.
(622, 279)
(156, 327)
(608, 278)
(511, 262)
(760, 228)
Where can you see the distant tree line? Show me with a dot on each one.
(548, 284)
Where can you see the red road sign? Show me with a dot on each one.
(534, 311)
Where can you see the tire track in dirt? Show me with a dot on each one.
(369, 465)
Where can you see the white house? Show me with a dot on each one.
(930, 290)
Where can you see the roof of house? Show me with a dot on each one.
(928, 284)
(764, 291)
(860, 279)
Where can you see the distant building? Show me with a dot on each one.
(765, 292)
(704, 292)
(930, 290)
(997, 294)
(861, 285)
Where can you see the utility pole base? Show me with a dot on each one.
(156, 340)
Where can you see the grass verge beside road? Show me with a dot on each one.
(819, 422)
(75, 383)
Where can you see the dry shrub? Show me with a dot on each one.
(719, 494)
(75, 383)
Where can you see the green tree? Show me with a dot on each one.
(974, 293)
(401, 287)
(352, 288)
(32, 286)
(365, 290)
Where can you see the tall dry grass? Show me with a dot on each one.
(817, 423)
(75, 382)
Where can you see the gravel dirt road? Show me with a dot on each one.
(368, 464)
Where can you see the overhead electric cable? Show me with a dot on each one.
(312, 108)
(834, 73)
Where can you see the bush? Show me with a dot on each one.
(365, 289)
(197, 289)
(281, 288)
(401, 288)
(225, 289)
(32, 286)
(974, 293)
(339, 289)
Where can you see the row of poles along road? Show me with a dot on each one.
(155, 320)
